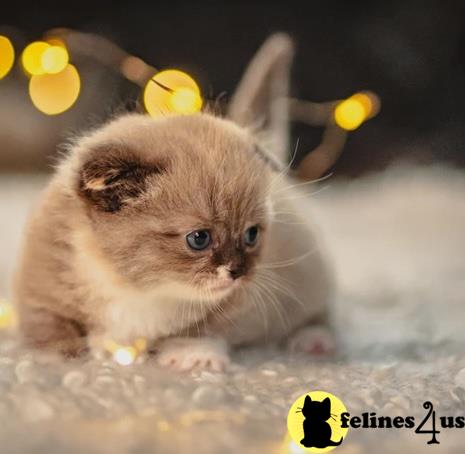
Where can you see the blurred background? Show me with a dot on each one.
(411, 53)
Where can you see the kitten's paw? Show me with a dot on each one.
(185, 354)
(315, 340)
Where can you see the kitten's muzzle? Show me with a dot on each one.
(236, 272)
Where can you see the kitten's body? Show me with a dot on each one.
(105, 252)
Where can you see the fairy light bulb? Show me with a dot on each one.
(53, 94)
(125, 356)
(31, 57)
(54, 59)
(172, 92)
(352, 112)
(7, 56)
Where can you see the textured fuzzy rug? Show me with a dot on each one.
(397, 241)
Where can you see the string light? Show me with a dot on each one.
(185, 101)
(54, 59)
(125, 355)
(7, 56)
(31, 57)
(352, 112)
(53, 94)
(172, 92)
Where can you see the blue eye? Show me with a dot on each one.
(198, 239)
(251, 236)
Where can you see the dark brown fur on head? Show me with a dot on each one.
(147, 183)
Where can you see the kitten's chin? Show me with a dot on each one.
(215, 292)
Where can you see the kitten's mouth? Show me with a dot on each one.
(222, 286)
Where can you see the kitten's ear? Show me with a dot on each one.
(261, 99)
(327, 402)
(111, 176)
(308, 400)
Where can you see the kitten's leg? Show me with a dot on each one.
(45, 330)
(186, 353)
(313, 339)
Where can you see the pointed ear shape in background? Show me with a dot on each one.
(111, 176)
(308, 400)
(261, 99)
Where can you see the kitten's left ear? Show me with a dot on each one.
(111, 176)
(327, 402)
(308, 400)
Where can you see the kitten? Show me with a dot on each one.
(179, 230)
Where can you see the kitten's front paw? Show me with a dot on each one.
(315, 340)
(185, 354)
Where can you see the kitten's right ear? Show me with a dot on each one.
(111, 176)
(308, 400)
(262, 94)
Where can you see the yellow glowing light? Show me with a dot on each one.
(54, 59)
(350, 114)
(125, 355)
(32, 57)
(56, 42)
(7, 56)
(140, 344)
(172, 92)
(55, 93)
(365, 101)
(7, 315)
(185, 101)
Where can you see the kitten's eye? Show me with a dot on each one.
(251, 236)
(198, 239)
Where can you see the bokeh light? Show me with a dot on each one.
(185, 101)
(352, 112)
(125, 356)
(172, 92)
(365, 101)
(7, 56)
(32, 57)
(55, 93)
(349, 114)
(7, 315)
(54, 59)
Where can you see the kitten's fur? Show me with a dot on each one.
(106, 253)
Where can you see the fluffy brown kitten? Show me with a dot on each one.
(177, 230)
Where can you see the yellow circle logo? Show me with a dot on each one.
(314, 422)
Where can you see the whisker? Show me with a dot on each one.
(278, 283)
(259, 302)
(274, 302)
(305, 183)
(283, 172)
(303, 194)
(288, 262)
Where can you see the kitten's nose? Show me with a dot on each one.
(236, 272)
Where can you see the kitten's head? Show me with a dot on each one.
(181, 201)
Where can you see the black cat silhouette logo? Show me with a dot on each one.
(314, 422)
